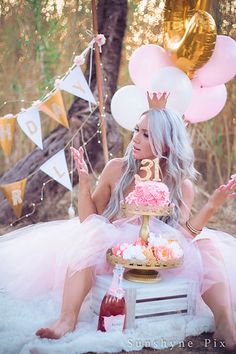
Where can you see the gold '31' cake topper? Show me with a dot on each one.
(147, 165)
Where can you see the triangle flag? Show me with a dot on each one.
(54, 108)
(76, 84)
(7, 131)
(29, 121)
(56, 168)
(15, 192)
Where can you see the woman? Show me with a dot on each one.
(159, 133)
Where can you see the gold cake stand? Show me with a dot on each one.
(144, 271)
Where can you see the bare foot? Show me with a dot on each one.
(62, 326)
(226, 333)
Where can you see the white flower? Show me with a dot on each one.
(134, 252)
(36, 103)
(79, 60)
(8, 116)
(100, 39)
(57, 83)
(177, 251)
(123, 246)
(154, 241)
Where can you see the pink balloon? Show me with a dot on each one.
(221, 67)
(145, 61)
(206, 102)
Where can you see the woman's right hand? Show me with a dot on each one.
(80, 164)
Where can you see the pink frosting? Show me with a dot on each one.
(149, 193)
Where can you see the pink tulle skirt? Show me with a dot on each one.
(35, 259)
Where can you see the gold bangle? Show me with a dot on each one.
(192, 229)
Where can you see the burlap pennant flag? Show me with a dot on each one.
(15, 192)
(7, 131)
(29, 121)
(54, 108)
(57, 169)
(76, 84)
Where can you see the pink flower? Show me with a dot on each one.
(79, 60)
(162, 253)
(119, 249)
(140, 242)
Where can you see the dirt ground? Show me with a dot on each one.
(224, 220)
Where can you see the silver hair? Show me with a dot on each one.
(170, 143)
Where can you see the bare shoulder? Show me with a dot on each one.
(113, 167)
(116, 164)
(188, 187)
(110, 174)
(188, 193)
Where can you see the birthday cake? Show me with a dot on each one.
(148, 198)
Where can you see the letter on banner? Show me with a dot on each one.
(7, 131)
(54, 108)
(56, 168)
(31, 127)
(76, 84)
(29, 121)
(15, 192)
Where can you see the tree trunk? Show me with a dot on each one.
(112, 23)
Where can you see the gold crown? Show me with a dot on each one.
(157, 101)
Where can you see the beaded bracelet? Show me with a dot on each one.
(192, 229)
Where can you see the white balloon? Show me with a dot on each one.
(177, 83)
(128, 104)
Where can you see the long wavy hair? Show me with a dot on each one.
(170, 143)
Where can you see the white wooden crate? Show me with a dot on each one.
(149, 302)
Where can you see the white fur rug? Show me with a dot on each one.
(20, 319)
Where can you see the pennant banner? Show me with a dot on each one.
(15, 192)
(7, 131)
(29, 121)
(56, 168)
(76, 84)
(54, 108)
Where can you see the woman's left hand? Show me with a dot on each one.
(223, 192)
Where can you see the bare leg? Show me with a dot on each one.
(76, 288)
(218, 296)
(225, 328)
